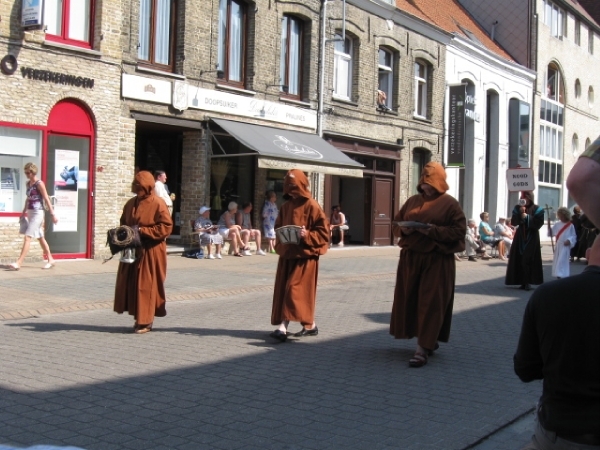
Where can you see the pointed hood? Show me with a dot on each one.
(145, 180)
(296, 183)
(435, 176)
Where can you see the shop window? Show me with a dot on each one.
(290, 66)
(18, 146)
(342, 67)
(232, 41)
(69, 21)
(421, 88)
(518, 132)
(385, 92)
(232, 178)
(157, 33)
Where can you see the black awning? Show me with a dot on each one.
(284, 149)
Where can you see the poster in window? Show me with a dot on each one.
(31, 13)
(66, 195)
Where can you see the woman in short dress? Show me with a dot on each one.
(269, 214)
(34, 212)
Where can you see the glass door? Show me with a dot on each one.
(68, 162)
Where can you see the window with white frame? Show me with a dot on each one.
(342, 67)
(232, 40)
(18, 146)
(386, 78)
(69, 21)
(577, 32)
(554, 84)
(421, 73)
(290, 66)
(554, 17)
(157, 33)
(591, 42)
(550, 169)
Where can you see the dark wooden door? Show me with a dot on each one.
(382, 211)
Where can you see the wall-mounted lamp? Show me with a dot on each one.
(220, 73)
(284, 87)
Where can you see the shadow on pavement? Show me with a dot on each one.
(345, 388)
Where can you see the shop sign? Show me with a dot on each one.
(223, 102)
(148, 89)
(57, 77)
(456, 126)
(31, 13)
(520, 179)
(470, 108)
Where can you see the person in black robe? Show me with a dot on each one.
(525, 262)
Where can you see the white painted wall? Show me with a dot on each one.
(466, 61)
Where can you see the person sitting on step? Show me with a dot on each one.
(244, 220)
(337, 224)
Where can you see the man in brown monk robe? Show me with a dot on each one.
(140, 286)
(297, 270)
(424, 294)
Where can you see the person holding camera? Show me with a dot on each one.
(525, 261)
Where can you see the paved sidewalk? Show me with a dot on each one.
(209, 377)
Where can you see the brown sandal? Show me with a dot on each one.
(238, 254)
(419, 359)
(143, 329)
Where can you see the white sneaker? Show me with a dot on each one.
(260, 252)
(246, 253)
(219, 256)
(210, 257)
(341, 244)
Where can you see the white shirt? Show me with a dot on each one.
(161, 191)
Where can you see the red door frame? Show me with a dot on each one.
(72, 118)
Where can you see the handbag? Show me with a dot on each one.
(23, 224)
(123, 237)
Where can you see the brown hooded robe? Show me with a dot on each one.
(295, 289)
(140, 286)
(424, 294)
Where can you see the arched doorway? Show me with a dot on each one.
(69, 178)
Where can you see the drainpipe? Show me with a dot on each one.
(322, 68)
(494, 29)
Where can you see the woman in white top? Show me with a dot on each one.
(34, 212)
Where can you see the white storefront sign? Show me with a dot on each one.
(239, 105)
(520, 180)
(148, 89)
(182, 95)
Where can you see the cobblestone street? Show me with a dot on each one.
(209, 377)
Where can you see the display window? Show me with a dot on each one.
(18, 146)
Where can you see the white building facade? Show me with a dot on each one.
(497, 91)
